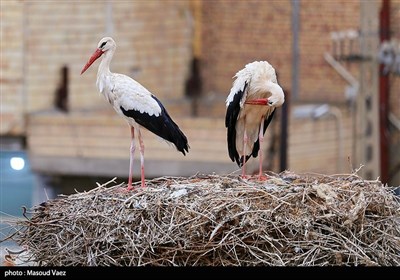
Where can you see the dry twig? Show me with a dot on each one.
(219, 220)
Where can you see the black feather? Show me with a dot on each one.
(161, 125)
(232, 113)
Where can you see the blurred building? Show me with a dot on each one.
(186, 53)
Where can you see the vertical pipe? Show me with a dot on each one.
(384, 91)
(295, 48)
(109, 19)
(193, 84)
(196, 6)
(284, 133)
(294, 92)
(24, 90)
(337, 114)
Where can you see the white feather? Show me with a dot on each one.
(254, 74)
(132, 96)
(121, 90)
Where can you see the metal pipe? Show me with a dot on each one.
(295, 48)
(384, 93)
(395, 121)
(337, 114)
(341, 70)
(24, 90)
(284, 133)
(109, 19)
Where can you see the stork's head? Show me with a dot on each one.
(276, 100)
(277, 97)
(106, 44)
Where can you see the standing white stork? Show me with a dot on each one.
(251, 104)
(138, 106)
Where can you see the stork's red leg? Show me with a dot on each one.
(245, 139)
(132, 152)
(261, 140)
(141, 147)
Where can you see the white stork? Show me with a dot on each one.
(250, 107)
(138, 106)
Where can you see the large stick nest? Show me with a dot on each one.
(219, 220)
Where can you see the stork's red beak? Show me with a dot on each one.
(92, 59)
(260, 101)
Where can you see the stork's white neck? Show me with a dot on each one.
(273, 88)
(104, 70)
(104, 67)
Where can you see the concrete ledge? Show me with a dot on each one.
(119, 167)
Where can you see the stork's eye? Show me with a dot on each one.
(103, 44)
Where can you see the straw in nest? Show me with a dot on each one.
(212, 220)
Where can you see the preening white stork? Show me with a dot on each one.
(251, 104)
(138, 106)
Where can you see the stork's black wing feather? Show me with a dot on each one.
(232, 113)
(161, 125)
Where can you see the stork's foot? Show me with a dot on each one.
(259, 177)
(132, 187)
(262, 177)
(121, 190)
(125, 189)
(244, 177)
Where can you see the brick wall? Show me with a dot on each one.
(152, 38)
(238, 32)
(154, 46)
(61, 33)
(318, 80)
(11, 80)
(40, 37)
